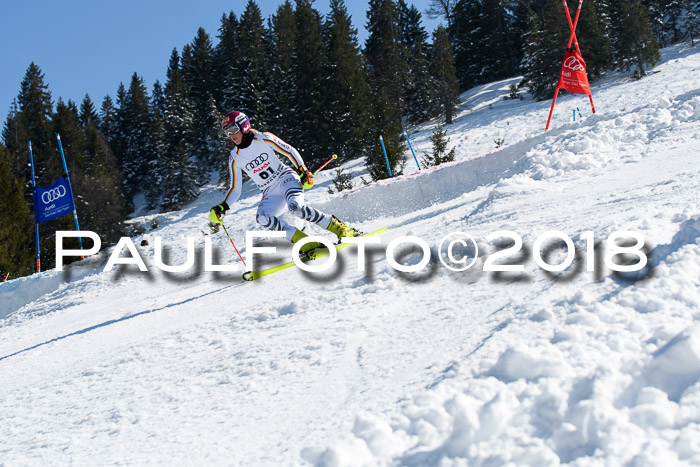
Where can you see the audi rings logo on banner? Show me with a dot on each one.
(573, 63)
(257, 162)
(54, 194)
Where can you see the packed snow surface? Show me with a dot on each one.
(584, 366)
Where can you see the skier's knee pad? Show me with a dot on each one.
(296, 209)
(269, 222)
(263, 219)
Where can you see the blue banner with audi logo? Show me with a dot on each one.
(53, 201)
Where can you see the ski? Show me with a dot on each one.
(317, 253)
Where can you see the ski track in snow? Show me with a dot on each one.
(382, 368)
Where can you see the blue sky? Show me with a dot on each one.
(90, 47)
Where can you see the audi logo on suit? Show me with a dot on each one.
(257, 162)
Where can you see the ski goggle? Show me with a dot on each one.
(232, 130)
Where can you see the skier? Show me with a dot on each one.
(256, 153)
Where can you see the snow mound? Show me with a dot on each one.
(22, 291)
(572, 395)
(675, 367)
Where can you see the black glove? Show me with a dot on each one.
(217, 211)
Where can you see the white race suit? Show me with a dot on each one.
(279, 184)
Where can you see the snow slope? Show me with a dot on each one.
(378, 367)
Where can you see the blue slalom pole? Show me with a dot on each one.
(65, 172)
(36, 224)
(410, 146)
(381, 140)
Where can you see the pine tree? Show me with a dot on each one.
(283, 111)
(393, 142)
(135, 120)
(440, 155)
(108, 118)
(225, 69)
(88, 114)
(633, 42)
(673, 21)
(592, 34)
(466, 33)
(419, 90)
(157, 99)
(197, 69)
(97, 159)
(310, 76)
(17, 228)
(179, 181)
(385, 54)
(33, 123)
(66, 122)
(116, 135)
(94, 175)
(94, 160)
(387, 70)
(98, 197)
(502, 48)
(197, 65)
(692, 11)
(217, 140)
(545, 45)
(486, 39)
(444, 77)
(12, 134)
(153, 179)
(253, 81)
(176, 171)
(656, 19)
(348, 108)
(342, 181)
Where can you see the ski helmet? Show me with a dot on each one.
(238, 119)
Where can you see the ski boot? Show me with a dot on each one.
(307, 250)
(339, 228)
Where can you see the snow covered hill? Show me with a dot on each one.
(379, 367)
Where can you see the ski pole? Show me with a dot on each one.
(410, 146)
(386, 157)
(333, 157)
(65, 172)
(234, 245)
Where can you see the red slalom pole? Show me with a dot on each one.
(573, 25)
(234, 245)
(551, 109)
(333, 157)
